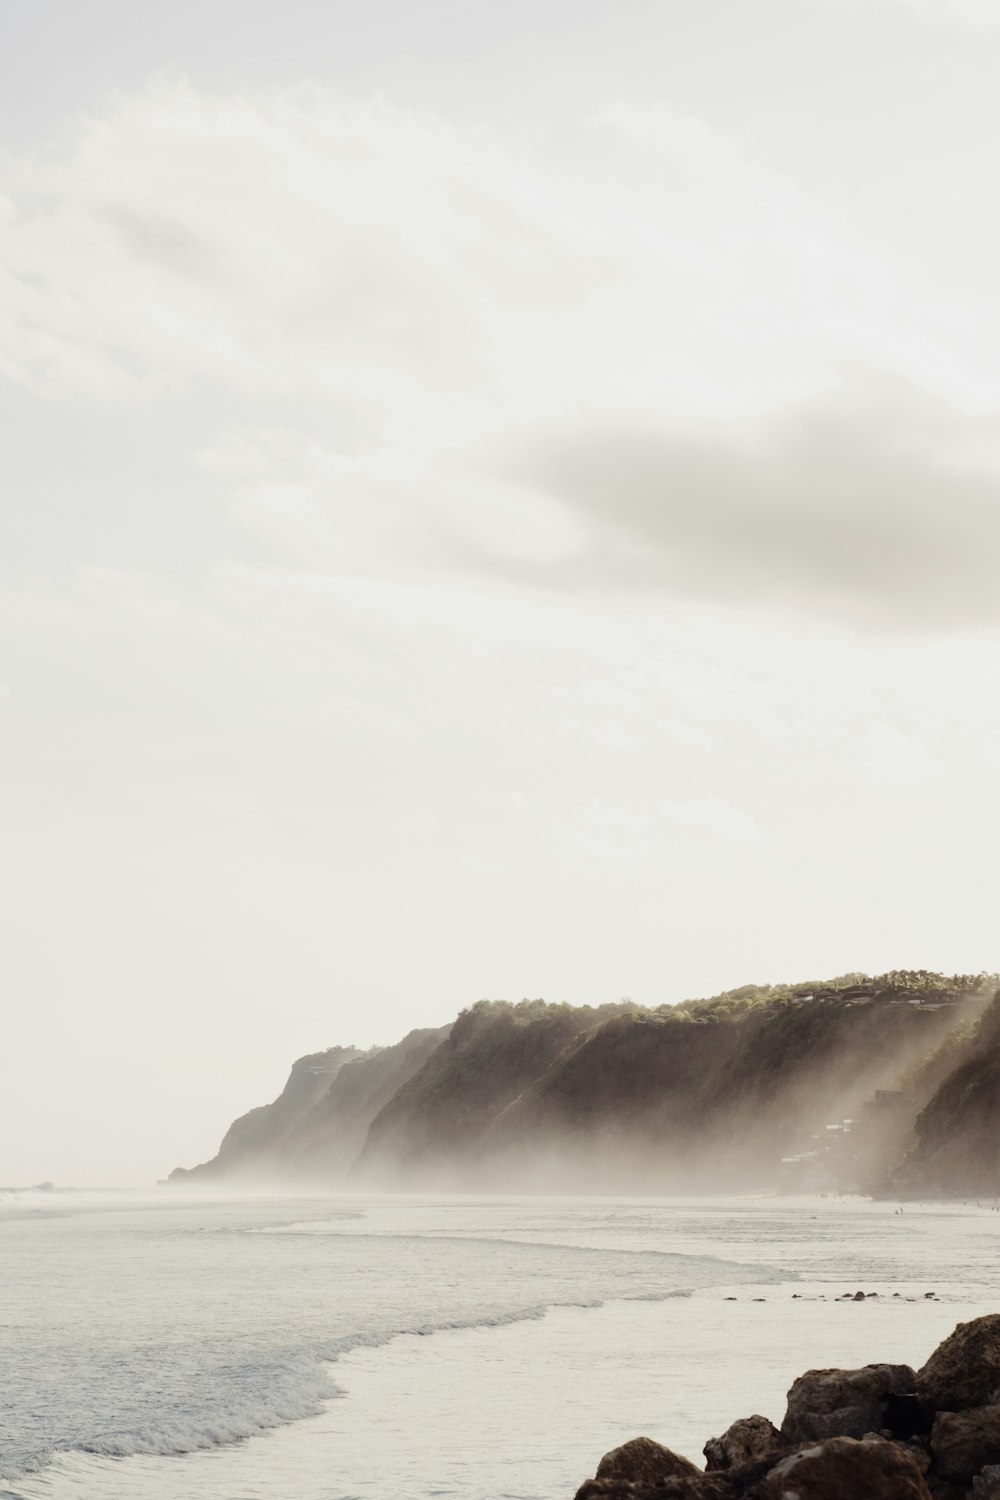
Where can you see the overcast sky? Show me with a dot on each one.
(498, 500)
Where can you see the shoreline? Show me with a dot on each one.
(628, 1337)
(667, 1362)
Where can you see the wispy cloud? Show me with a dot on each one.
(663, 370)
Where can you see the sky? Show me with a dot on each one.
(497, 501)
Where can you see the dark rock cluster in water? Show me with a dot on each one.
(884, 1432)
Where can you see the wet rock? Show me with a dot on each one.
(964, 1371)
(843, 1403)
(964, 1442)
(642, 1459)
(749, 1438)
(986, 1485)
(843, 1469)
(858, 1297)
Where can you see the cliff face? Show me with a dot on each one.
(807, 1086)
(662, 1101)
(435, 1127)
(253, 1144)
(957, 1147)
(327, 1139)
(313, 1131)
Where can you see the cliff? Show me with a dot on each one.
(957, 1133)
(713, 1095)
(826, 1086)
(327, 1139)
(253, 1144)
(315, 1128)
(438, 1126)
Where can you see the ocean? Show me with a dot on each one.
(161, 1346)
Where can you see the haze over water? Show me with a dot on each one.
(157, 1346)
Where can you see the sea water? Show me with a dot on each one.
(157, 1347)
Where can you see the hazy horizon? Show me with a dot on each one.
(499, 502)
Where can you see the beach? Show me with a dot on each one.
(355, 1347)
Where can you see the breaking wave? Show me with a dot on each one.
(279, 1392)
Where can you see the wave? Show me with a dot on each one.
(692, 1264)
(228, 1393)
(300, 1387)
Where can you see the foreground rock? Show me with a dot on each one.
(841, 1468)
(731, 1484)
(964, 1371)
(965, 1442)
(844, 1403)
(745, 1440)
(837, 1469)
(882, 1432)
(643, 1460)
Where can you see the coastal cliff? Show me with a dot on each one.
(839, 1086)
(315, 1128)
(957, 1133)
(252, 1146)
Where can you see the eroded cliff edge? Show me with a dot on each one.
(849, 1085)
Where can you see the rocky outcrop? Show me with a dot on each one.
(643, 1461)
(964, 1442)
(745, 1440)
(964, 1371)
(842, 1467)
(837, 1469)
(843, 1403)
(819, 1453)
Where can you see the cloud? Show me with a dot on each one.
(379, 258)
(420, 348)
(870, 510)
